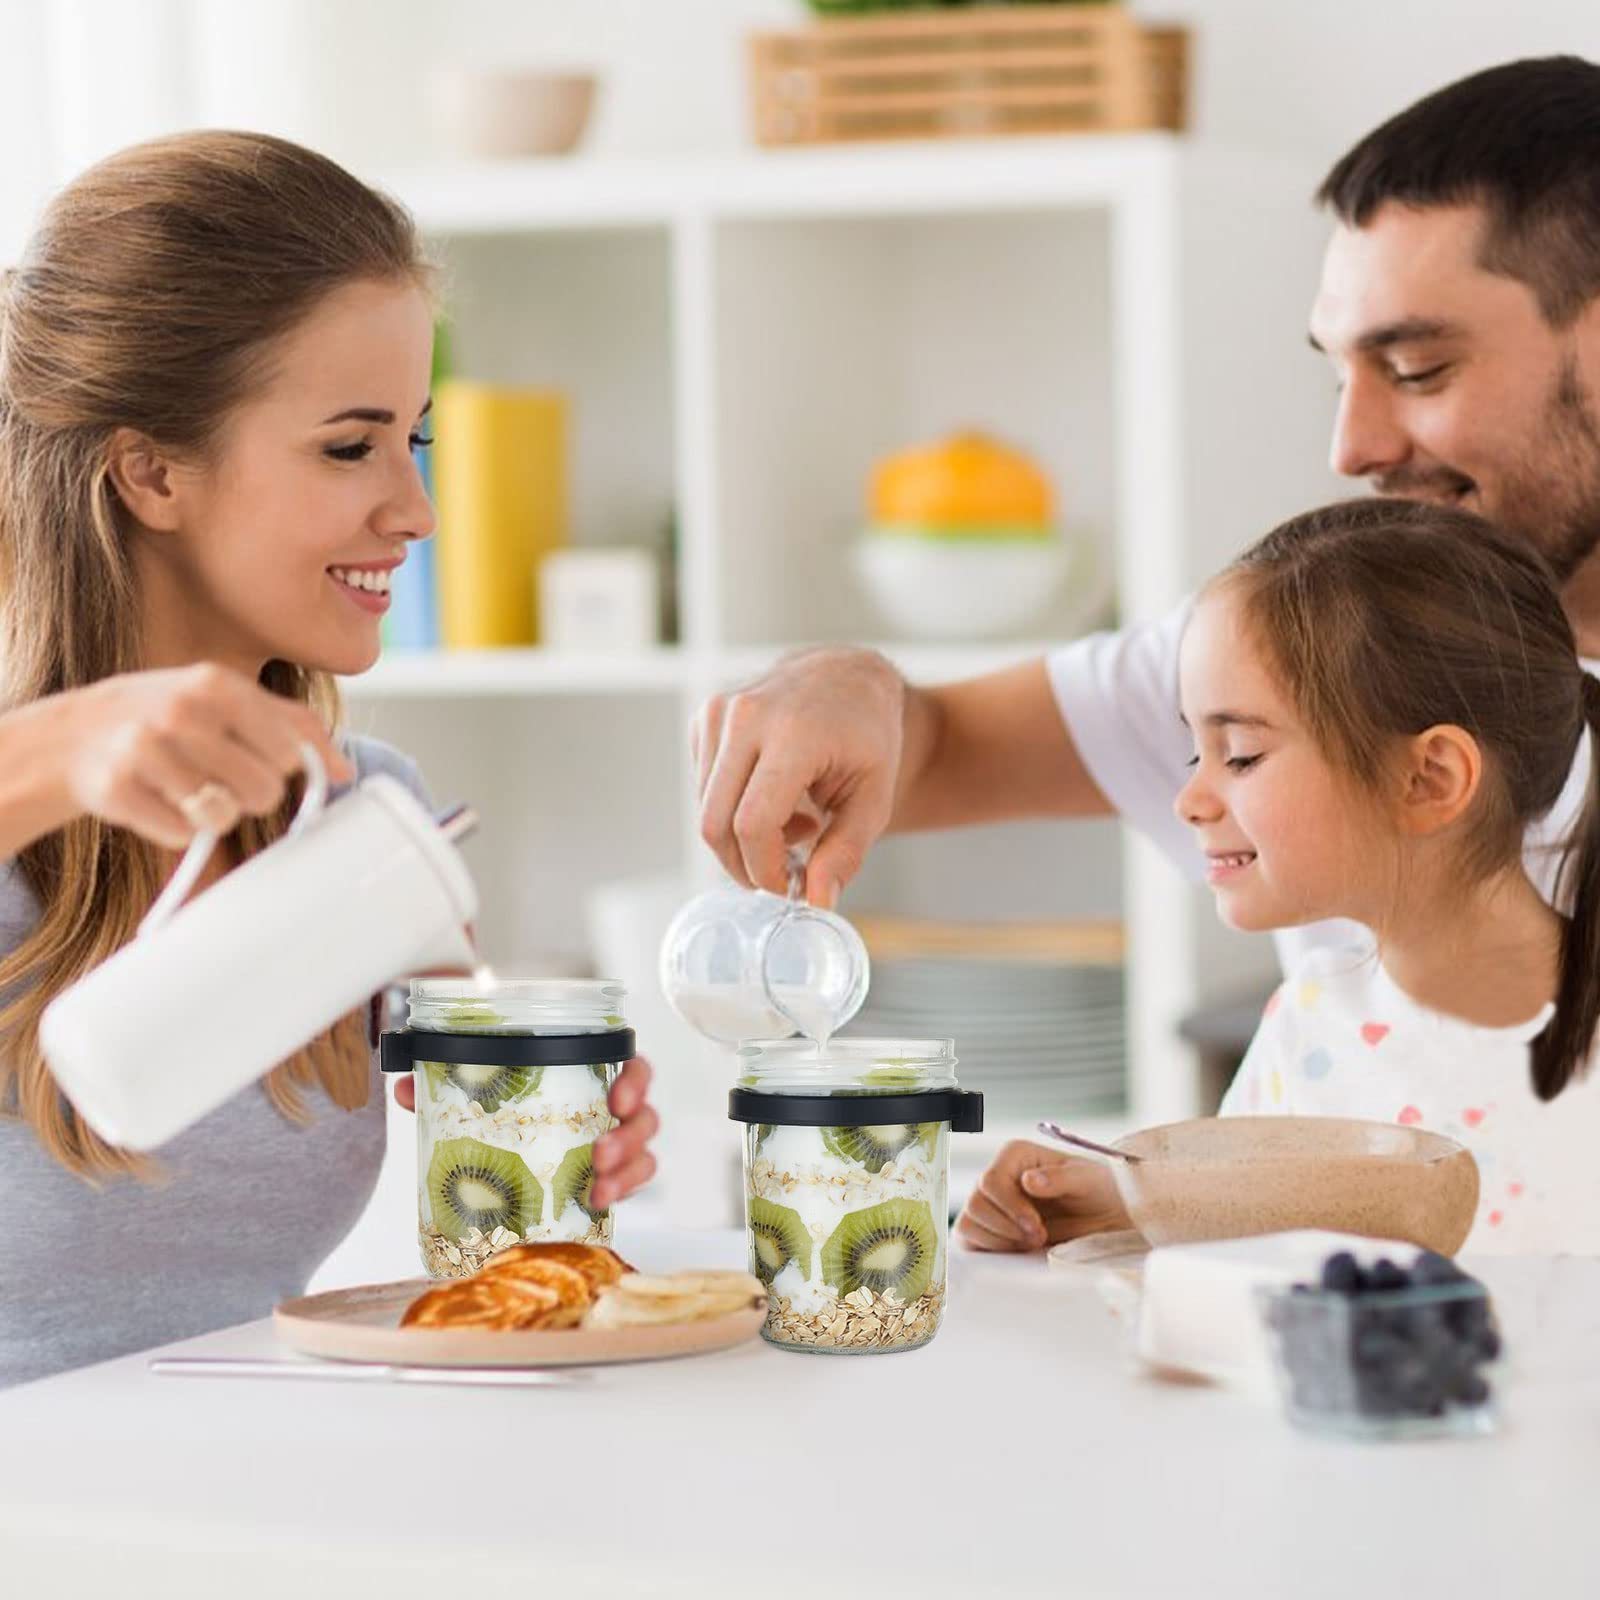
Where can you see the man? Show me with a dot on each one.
(1459, 307)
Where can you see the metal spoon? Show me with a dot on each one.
(367, 1372)
(1055, 1131)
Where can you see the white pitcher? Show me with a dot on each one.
(213, 994)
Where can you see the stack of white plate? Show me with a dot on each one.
(1040, 1039)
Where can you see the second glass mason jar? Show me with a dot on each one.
(847, 1183)
(512, 1085)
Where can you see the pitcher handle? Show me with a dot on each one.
(312, 805)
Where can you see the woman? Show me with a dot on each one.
(214, 363)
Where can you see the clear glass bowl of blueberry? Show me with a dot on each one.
(1385, 1351)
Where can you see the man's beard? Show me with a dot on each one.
(1551, 494)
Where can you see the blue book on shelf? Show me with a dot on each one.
(413, 618)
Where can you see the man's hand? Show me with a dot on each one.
(811, 749)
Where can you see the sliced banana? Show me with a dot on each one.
(717, 1280)
(653, 1301)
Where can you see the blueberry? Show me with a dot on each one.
(1431, 1268)
(1386, 1275)
(1380, 1394)
(1400, 1322)
(1342, 1274)
(1470, 1389)
(1409, 1322)
(1488, 1344)
(1469, 1318)
(1376, 1348)
(1438, 1342)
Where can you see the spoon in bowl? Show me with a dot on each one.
(1105, 1152)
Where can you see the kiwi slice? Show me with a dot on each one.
(873, 1147)
(573, 1180)
(474, 1185)
(491, 1087)
(928, 1138)
(883, 1248)
(601, 1071)
(470, 1016)
(777, 1237)
(892, 1075)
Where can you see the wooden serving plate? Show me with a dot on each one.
(363, 1324)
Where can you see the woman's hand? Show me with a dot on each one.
(174, 752)
(622, 1159)
(1032, 1196)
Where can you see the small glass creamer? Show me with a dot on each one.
(740, 964)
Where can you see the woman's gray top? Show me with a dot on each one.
(252, 1205)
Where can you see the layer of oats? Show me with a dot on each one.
(853, 1187)
(861, 1320)
(513, 1125)
(450, 1258)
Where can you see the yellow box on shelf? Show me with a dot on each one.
(500, 467)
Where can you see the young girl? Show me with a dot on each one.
(1383, 695)
(214, 362)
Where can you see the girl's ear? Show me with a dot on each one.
(1441, 772)
(143, 479)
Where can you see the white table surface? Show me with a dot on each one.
(1019, 1454)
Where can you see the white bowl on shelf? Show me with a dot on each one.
(951, 588)
(502, 115)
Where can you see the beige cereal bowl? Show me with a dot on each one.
(1227, 1177)
(504, 115)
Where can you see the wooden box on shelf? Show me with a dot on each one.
(984, 71)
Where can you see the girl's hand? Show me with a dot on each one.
(174, 752)
(1033, 1196)
(622, 1160)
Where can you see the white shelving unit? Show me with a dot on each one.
(740, 339)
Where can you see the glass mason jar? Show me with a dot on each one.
(512, 1080)
(847, 1184)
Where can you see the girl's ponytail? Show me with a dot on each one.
(1561, 1051)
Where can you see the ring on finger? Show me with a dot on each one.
(211, 808)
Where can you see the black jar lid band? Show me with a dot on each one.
(403, 1049)
(961, 1108)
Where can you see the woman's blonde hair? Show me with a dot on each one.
(148, 299)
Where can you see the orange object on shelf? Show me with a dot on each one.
(501, 480)
(968, 481)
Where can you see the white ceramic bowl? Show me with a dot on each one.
(504, 115)
(929, 588)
